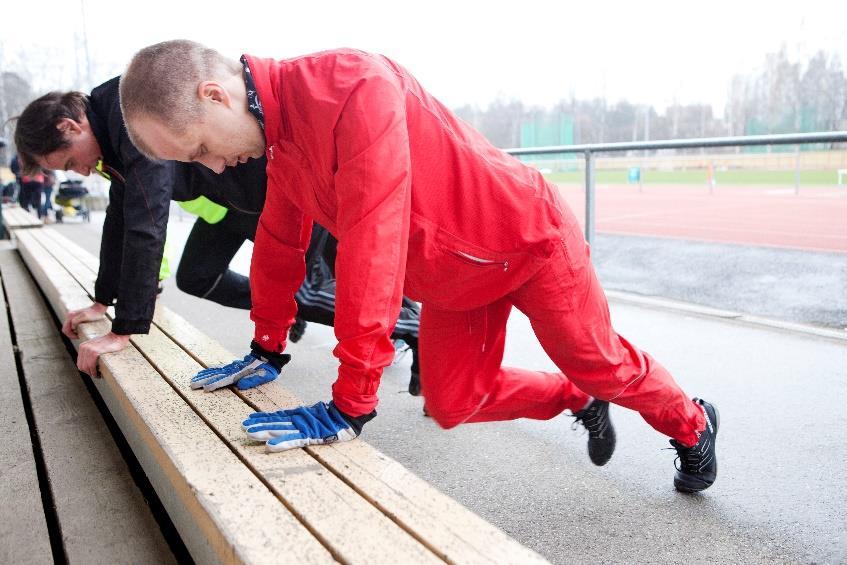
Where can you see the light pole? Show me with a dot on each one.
(85, 46)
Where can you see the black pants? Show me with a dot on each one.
(204, 272)
(30, 196)
(204, 268)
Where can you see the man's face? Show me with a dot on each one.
(82, 153)
(223, 136)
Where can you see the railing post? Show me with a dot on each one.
(589, 197)
(797, 170)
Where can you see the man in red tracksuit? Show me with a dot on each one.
(421, 204)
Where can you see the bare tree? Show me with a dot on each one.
(15, 94)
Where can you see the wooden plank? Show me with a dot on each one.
(16, 217)
(29, 219)
(72, 258)
(102, 515)
(73, 250)
(63, 294)
(355, 530)
(23, 528)
(221, 509)
(445, 526)
(442, 524)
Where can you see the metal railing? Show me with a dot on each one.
(589, 150)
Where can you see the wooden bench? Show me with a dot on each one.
(66, 491)
(228, 498)
(15, 217)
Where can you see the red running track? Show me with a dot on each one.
(814, 220)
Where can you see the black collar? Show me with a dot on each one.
(253, 102)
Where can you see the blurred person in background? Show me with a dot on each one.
(47, 204)
(32, 187)
(17, 170)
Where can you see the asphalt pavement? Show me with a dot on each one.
(786, 284)
(780, 496)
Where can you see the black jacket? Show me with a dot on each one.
(137, 216)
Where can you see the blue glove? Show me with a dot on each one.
(258, 367)
(307, 425)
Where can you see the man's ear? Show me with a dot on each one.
(69, 127)
(214, 92)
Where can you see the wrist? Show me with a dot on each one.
(99, 308)
(277, 360)
(120, 338)
(356, 422)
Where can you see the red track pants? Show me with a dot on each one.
(461, 353)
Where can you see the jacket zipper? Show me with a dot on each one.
(479, 261)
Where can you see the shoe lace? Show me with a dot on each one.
(593, 419)
(692, 460)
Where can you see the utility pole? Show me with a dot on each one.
(85, 45)
(647, 125)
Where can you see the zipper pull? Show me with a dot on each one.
(271, 152)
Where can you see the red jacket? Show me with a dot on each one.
(355, 143)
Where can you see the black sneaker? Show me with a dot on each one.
(296, 331)
(698, 465)
(415, 384)
(601, 432)
(415, 379)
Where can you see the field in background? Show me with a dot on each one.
(778, 168)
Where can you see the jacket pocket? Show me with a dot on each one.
(455, 274)
(478, 261)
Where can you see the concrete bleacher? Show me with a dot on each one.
(229, 500)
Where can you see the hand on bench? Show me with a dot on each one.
(91, 350)
(258, 367)
(74, 318)
(307, 425)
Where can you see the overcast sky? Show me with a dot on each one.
(462, 51)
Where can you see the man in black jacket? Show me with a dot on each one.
(72, 131)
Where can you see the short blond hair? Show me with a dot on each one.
(161, 82)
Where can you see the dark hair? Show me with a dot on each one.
(36, 134)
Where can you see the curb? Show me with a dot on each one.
(729, 315)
